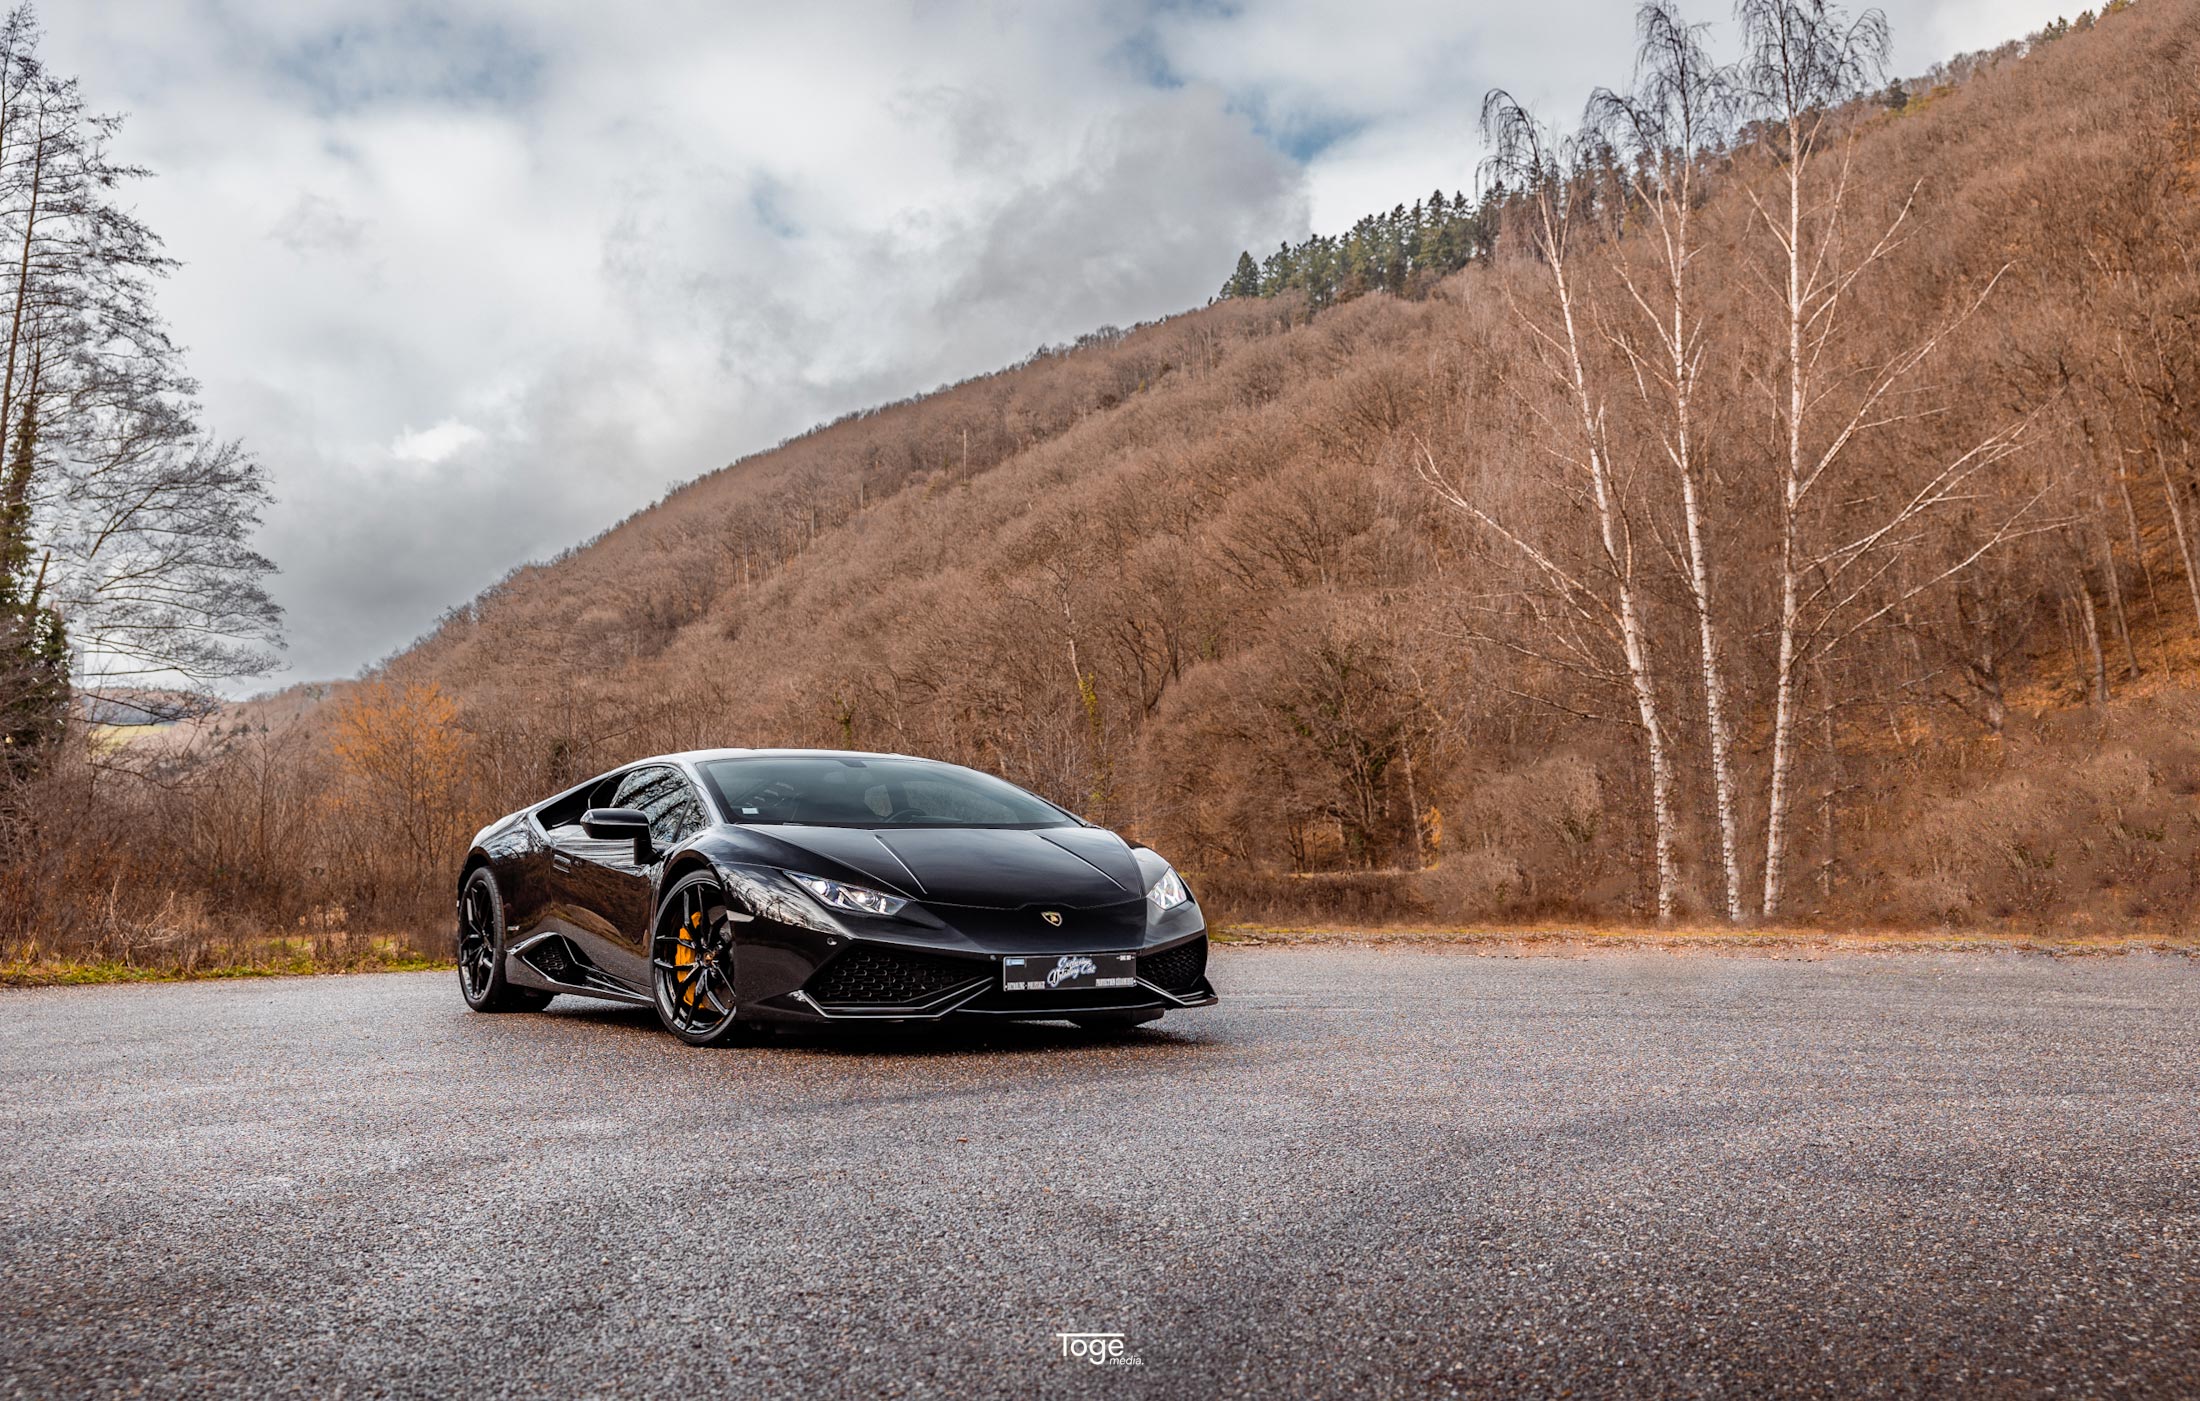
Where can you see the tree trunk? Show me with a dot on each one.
(2177, 522)
(1619, 557)
(22, 296)
(1661, 769)
(1783, 705)
(1985, 673)
(1699, 566)
(1714, 698)
(2146, 570)
(2089, 629)
(1829, 851)
(2114, 583)
(1413, 814)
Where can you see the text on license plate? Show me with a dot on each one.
(1059, 972)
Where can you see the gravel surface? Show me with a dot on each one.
(1365, 1173)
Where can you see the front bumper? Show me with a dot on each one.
(873, 981)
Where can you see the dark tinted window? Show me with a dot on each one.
(821, 791)
(566, 811)
(674, 812)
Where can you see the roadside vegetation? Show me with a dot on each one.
(1782, 941)
(30, 966)
(1768, 503)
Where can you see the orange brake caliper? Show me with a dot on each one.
(684, 952)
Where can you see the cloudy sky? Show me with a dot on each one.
(477, 279)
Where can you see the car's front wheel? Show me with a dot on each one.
(481, 951)
(691, 959)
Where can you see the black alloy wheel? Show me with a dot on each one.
(481, 951)
(692, 957)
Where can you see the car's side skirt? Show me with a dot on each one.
(550, 962)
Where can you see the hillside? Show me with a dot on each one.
(1194, 581)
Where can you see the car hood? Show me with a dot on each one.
(1076, 867)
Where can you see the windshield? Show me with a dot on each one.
(826, 791)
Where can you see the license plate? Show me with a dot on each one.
(1068, 972)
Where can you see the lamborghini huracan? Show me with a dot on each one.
(733, 888)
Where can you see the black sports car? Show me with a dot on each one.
(737, 886)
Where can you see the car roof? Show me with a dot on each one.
(697, 756)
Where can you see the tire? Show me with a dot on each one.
(691, 958)
(481, 951)
(1105, 1022)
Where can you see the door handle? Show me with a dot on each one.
(560, 862)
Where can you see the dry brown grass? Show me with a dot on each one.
(32, 966)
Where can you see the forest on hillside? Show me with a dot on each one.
(1772, 498)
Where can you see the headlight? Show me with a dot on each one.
(1168, 892)
(855, 899)
(771, 899)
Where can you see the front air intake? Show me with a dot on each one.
(874, 977)
(1175, 970)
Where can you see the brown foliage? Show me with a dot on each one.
(1188, 580)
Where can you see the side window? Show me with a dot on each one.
(633, 786)
(566, 811)
(682, 816)
(674, 812)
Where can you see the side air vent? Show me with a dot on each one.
(558, 960)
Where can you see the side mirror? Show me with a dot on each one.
(618, 825)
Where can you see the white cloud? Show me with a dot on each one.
(432, 445)
(599, 249)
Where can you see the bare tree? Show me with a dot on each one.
(1659, 135)
(1543, 171)
(148, 520)
(129, 520)
(1805, 58)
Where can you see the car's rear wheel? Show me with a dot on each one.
(691, 959)
(481, 951)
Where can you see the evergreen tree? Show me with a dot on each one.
(34, 651)
(1245, 282)
(1381, 252)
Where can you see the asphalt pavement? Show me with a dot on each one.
(1365, 1173)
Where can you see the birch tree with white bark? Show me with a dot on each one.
(1838, 570)
(1603, 601)
(1658, 135)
